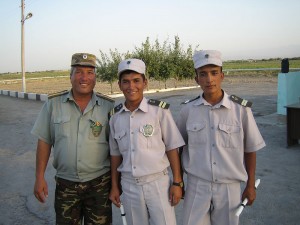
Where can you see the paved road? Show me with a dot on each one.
(278, 167)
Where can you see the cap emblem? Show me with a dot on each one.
(206, 56)
(84, 56)
(128, 62)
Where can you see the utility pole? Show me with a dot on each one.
(29, 15)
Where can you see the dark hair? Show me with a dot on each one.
(128, 72)
(209, 64)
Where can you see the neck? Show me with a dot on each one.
(131, 106)
(82, 100)
(214, 98)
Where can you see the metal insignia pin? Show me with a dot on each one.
(206, 55)
(84, 56)
(128, 62)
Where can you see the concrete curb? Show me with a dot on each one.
(24, 95)
(44, 97)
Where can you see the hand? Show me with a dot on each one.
(41, 190)
(175, 195)
(250, 194)
(114, 196)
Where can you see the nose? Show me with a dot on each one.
(209, 78)
(131, 84)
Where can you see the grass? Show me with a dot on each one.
(228, 65)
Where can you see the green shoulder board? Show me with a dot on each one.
(115, 109)
(159, 103)
(58, 94)
(241, 101)
(105, 97)
(191, 100)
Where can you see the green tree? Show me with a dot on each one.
(107, 68)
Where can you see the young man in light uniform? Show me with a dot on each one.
(222, 139)
(144, 142)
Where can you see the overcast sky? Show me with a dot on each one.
(240, 29)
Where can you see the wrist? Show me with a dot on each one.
(178, 184)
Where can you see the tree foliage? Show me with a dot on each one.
(163, 61)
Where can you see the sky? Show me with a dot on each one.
(240, 29)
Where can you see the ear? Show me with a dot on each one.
(146, 82)
(222, 76)
(196, 79)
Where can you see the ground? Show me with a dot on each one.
(278, 167)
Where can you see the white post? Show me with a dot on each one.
(22, 47)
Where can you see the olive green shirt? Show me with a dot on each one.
(79, 140)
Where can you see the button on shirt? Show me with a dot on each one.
(80, 153)
(217, 138)
(143, 155)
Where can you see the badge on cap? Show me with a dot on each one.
(128, 62)
(206, 56)
(148, 130)
(84, 56)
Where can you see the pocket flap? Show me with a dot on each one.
(195, 126)
(63, 119)
(229, 128)
(120, 135)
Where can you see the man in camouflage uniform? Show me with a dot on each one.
(75, 124)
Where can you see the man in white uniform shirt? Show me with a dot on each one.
(222, 139)
(144, 142)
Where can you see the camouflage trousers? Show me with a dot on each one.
(89, 200)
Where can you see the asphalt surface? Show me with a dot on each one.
(278, 167)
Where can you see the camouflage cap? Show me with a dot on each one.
(83, 59)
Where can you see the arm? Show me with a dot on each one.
(42, 157)
(115, 192)
(250, 163)
(175, 191)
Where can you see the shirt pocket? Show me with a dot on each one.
(229, 136)
(197, 133)
(122, 140)
(61, 127)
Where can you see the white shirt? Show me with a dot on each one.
(217, 138)
(143, 155)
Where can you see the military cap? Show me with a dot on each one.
(83, 59)
(206, 57)
(136, 65)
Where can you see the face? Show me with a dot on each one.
(132, 85)
(83, 80)
(210, 77)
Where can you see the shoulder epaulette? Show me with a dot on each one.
(241, 101)
(104, 96)
(159, 103)
(58, 94)
(191, 100)
(115, 109)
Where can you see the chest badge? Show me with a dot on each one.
(96, 127)
(148, 130)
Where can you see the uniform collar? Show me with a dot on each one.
(69, 97)
(143, 106)
(224, 102)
